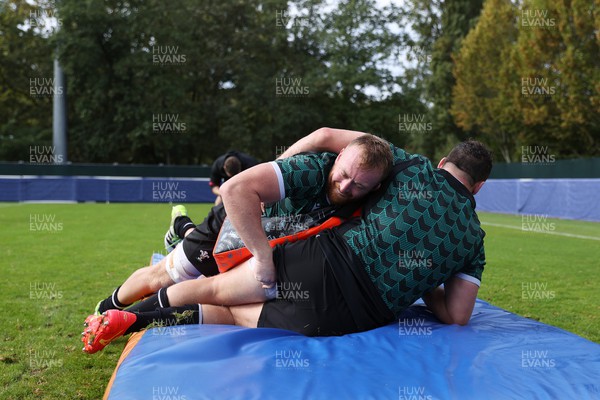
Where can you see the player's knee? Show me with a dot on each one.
(158, 278)
(215, 289)
(141, 275)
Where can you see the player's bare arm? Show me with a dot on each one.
(453, 303)
(323, 139)
(242, 197)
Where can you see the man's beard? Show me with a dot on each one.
(335, 197)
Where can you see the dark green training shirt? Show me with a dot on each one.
(417, 232)
(302, 183)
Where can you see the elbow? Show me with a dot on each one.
(461, 320)
(321, 137)
(228, 189)
(238, 190)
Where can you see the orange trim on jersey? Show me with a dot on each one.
(229, 259)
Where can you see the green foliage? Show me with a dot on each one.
(528, 76)
(25, 58)
(440, 26)
(456, 19)
(485, 85)
(150, 82)
(149, 64)
(558, 48)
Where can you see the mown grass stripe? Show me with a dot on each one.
(540, 231)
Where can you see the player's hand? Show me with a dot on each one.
(264, 271)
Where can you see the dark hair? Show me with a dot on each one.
(232, 166)
(473, 158)
(377, 153)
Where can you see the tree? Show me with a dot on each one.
(457, 18)
(558, 59)
(26, 80)
(440, 27)
(528, 77)
(486, 80)
(144, 91)
(153, 83)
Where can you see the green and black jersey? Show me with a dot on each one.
(418, 231)
(302, 183)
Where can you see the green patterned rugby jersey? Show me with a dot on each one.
(302, 183)
(417, 232)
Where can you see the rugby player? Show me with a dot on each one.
(419, 231)
(304, 183)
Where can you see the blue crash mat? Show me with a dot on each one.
(499, 355)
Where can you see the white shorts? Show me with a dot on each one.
(178, 266)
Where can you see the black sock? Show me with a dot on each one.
(163, 299)
(166, 317)
(154, 302)
(111, 302)
(181, 225)
(149, 304)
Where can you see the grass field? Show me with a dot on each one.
(58, 260)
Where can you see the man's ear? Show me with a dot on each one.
(442, 162)
(477, 186)
(339, 154)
